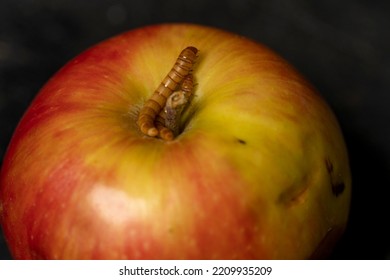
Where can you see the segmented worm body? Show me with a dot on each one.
(154, 105)
(167, 121)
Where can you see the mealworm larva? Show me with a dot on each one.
(188, 84)
(156, 102)
(167, 121)
(163, 132)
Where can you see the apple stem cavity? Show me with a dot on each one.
(161, 113)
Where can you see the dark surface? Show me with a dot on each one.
(341, 46)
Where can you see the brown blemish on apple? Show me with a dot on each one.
(337, 187)
(242, 142)
(329, 166)
(294, 194)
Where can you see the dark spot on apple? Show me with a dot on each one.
(242, 142)
(329, 166)
(296, 193)
(338, 188)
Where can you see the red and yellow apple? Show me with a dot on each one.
(259, 171)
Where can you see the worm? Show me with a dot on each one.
(167, 121)
(188, 84)
(157, 101)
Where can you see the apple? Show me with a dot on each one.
(258, 170)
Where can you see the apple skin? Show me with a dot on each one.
(260, 170)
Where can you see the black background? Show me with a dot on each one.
(342, 47)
